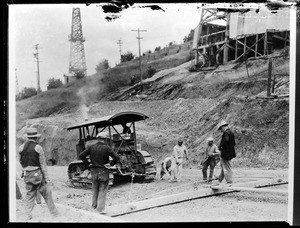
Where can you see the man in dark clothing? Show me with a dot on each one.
(32, 159)
(226, 147)
(99, 163)
(126, 129)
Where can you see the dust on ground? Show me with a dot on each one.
(75, 204)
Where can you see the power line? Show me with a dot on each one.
(120, 44)
(139, 38)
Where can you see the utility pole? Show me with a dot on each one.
(36, 56)
(139, 38)
(120, 43)
(17, 84)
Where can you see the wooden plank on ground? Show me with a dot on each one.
(101, 217)
(245, 189)
(184, 196)
(262, 190)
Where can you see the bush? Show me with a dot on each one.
(157, 48)
(128, 56)
(54, 83)
(150, 71)
(190, 36)
(102, 65)
(26, 92)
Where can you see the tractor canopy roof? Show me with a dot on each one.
(115, 119)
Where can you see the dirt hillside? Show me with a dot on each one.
(188, 104)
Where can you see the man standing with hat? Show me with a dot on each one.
(211, 153)
(32, 159)
(99, 163)
(178, 153)
(227, 149)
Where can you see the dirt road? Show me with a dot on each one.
(74, 204)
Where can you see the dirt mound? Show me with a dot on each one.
(260, 127)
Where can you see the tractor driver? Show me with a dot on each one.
(126, 129)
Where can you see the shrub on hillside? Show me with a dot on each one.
(128, 56)
(157, 48)
(26, 92)
(79, 74)
(150, 71)
(189, 37)
(54, 83)
(102, 65)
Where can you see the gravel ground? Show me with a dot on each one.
(74, 204)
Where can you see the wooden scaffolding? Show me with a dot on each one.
(212, 45)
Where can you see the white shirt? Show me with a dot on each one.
(179, 151)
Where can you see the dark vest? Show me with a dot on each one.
(29, 157)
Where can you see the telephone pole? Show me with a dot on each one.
(139, 38)
(120, 44)
(36, 56)
(17, 84)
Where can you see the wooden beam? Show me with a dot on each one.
(269, 77)
(216, 43)
(236, 49)
(245, 45)
(262, 190)
(76, 211)
(256, 42)
(249, 48)
(225, 53)
(265, 43)
(281, 38)
(184, 196)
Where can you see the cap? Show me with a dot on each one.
(180, 140)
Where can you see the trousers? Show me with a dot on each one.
(225, 171)
(100, 179)
(35, 182)
(211, 162)
(176, 172)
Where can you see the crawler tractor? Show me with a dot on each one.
(134, 161)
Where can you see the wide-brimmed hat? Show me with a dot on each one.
(32, 133)
(102, 134)
(209, 139)
(222, 123)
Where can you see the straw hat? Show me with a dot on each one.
(209, 139)
(32, 133)
(222, 123)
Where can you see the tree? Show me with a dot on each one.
(79, 74)
(189, 37)
(102, 65)
(157, 48)
(26, 92)
(54, 83)
(128, 56)
(151, 71)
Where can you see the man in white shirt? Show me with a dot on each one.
(179, 152)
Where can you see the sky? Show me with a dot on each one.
(50, 25)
